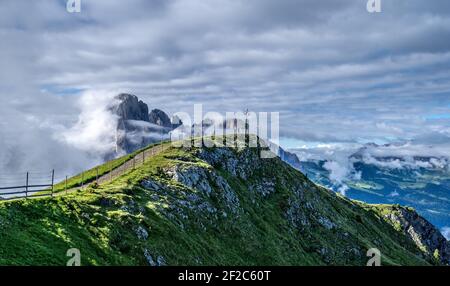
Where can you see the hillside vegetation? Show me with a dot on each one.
(200, 206)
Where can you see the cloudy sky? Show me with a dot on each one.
(335, 73)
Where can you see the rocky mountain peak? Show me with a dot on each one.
(160, 118)
(136, 127)
(130, 108)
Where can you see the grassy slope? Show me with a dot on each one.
(90, 175)
(102, 222)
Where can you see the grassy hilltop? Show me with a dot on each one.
(203, 206)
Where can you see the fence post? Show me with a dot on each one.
(65, 187)
(143, 157)
(26, 188)
(134, 163)
(82, 180)
(110, 171)
(53, 180)
(96, 178)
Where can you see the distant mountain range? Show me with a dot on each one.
(422, 182)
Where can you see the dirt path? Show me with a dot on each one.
(138, 160)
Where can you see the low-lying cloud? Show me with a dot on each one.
(95, 130)
(38, 148)
(339, 159)
(40, 145)
(407, 156)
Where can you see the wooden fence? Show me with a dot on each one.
(31, 187)
(45, 185)
(131, 164)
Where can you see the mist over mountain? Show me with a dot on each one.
(136, 127)
(104, 125)
(409, 173)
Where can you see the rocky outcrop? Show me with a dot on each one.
(159, 261)
(264, 188)
(136, 127)
(241, 164)
(206, 181)
(160, 118)
(130, 108)
(423, 233)
(202, 189)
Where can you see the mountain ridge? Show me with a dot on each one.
(422, 186)
(203, 206)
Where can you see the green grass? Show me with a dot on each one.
(89, 176)
(102, 222)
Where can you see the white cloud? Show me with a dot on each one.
(95, 130)
(407, 155)
(340, 158)
(337, 172)
(343, 190)
(446, 232)
(334, 72)
(393, 194)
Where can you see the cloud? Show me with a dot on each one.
(343, 190)
(30, 144)
(394, 194)
(337, 172)
(336, 73)
(341, 158)
(95, 130)
(446, 232)
(337, 162)
(407, 155)
(340, 172)
(409, 163)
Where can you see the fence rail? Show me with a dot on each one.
(29, 190)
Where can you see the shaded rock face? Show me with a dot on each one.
(289, 158)
(176, 122)
(422, 232)
(131, 108)
(160, 118)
